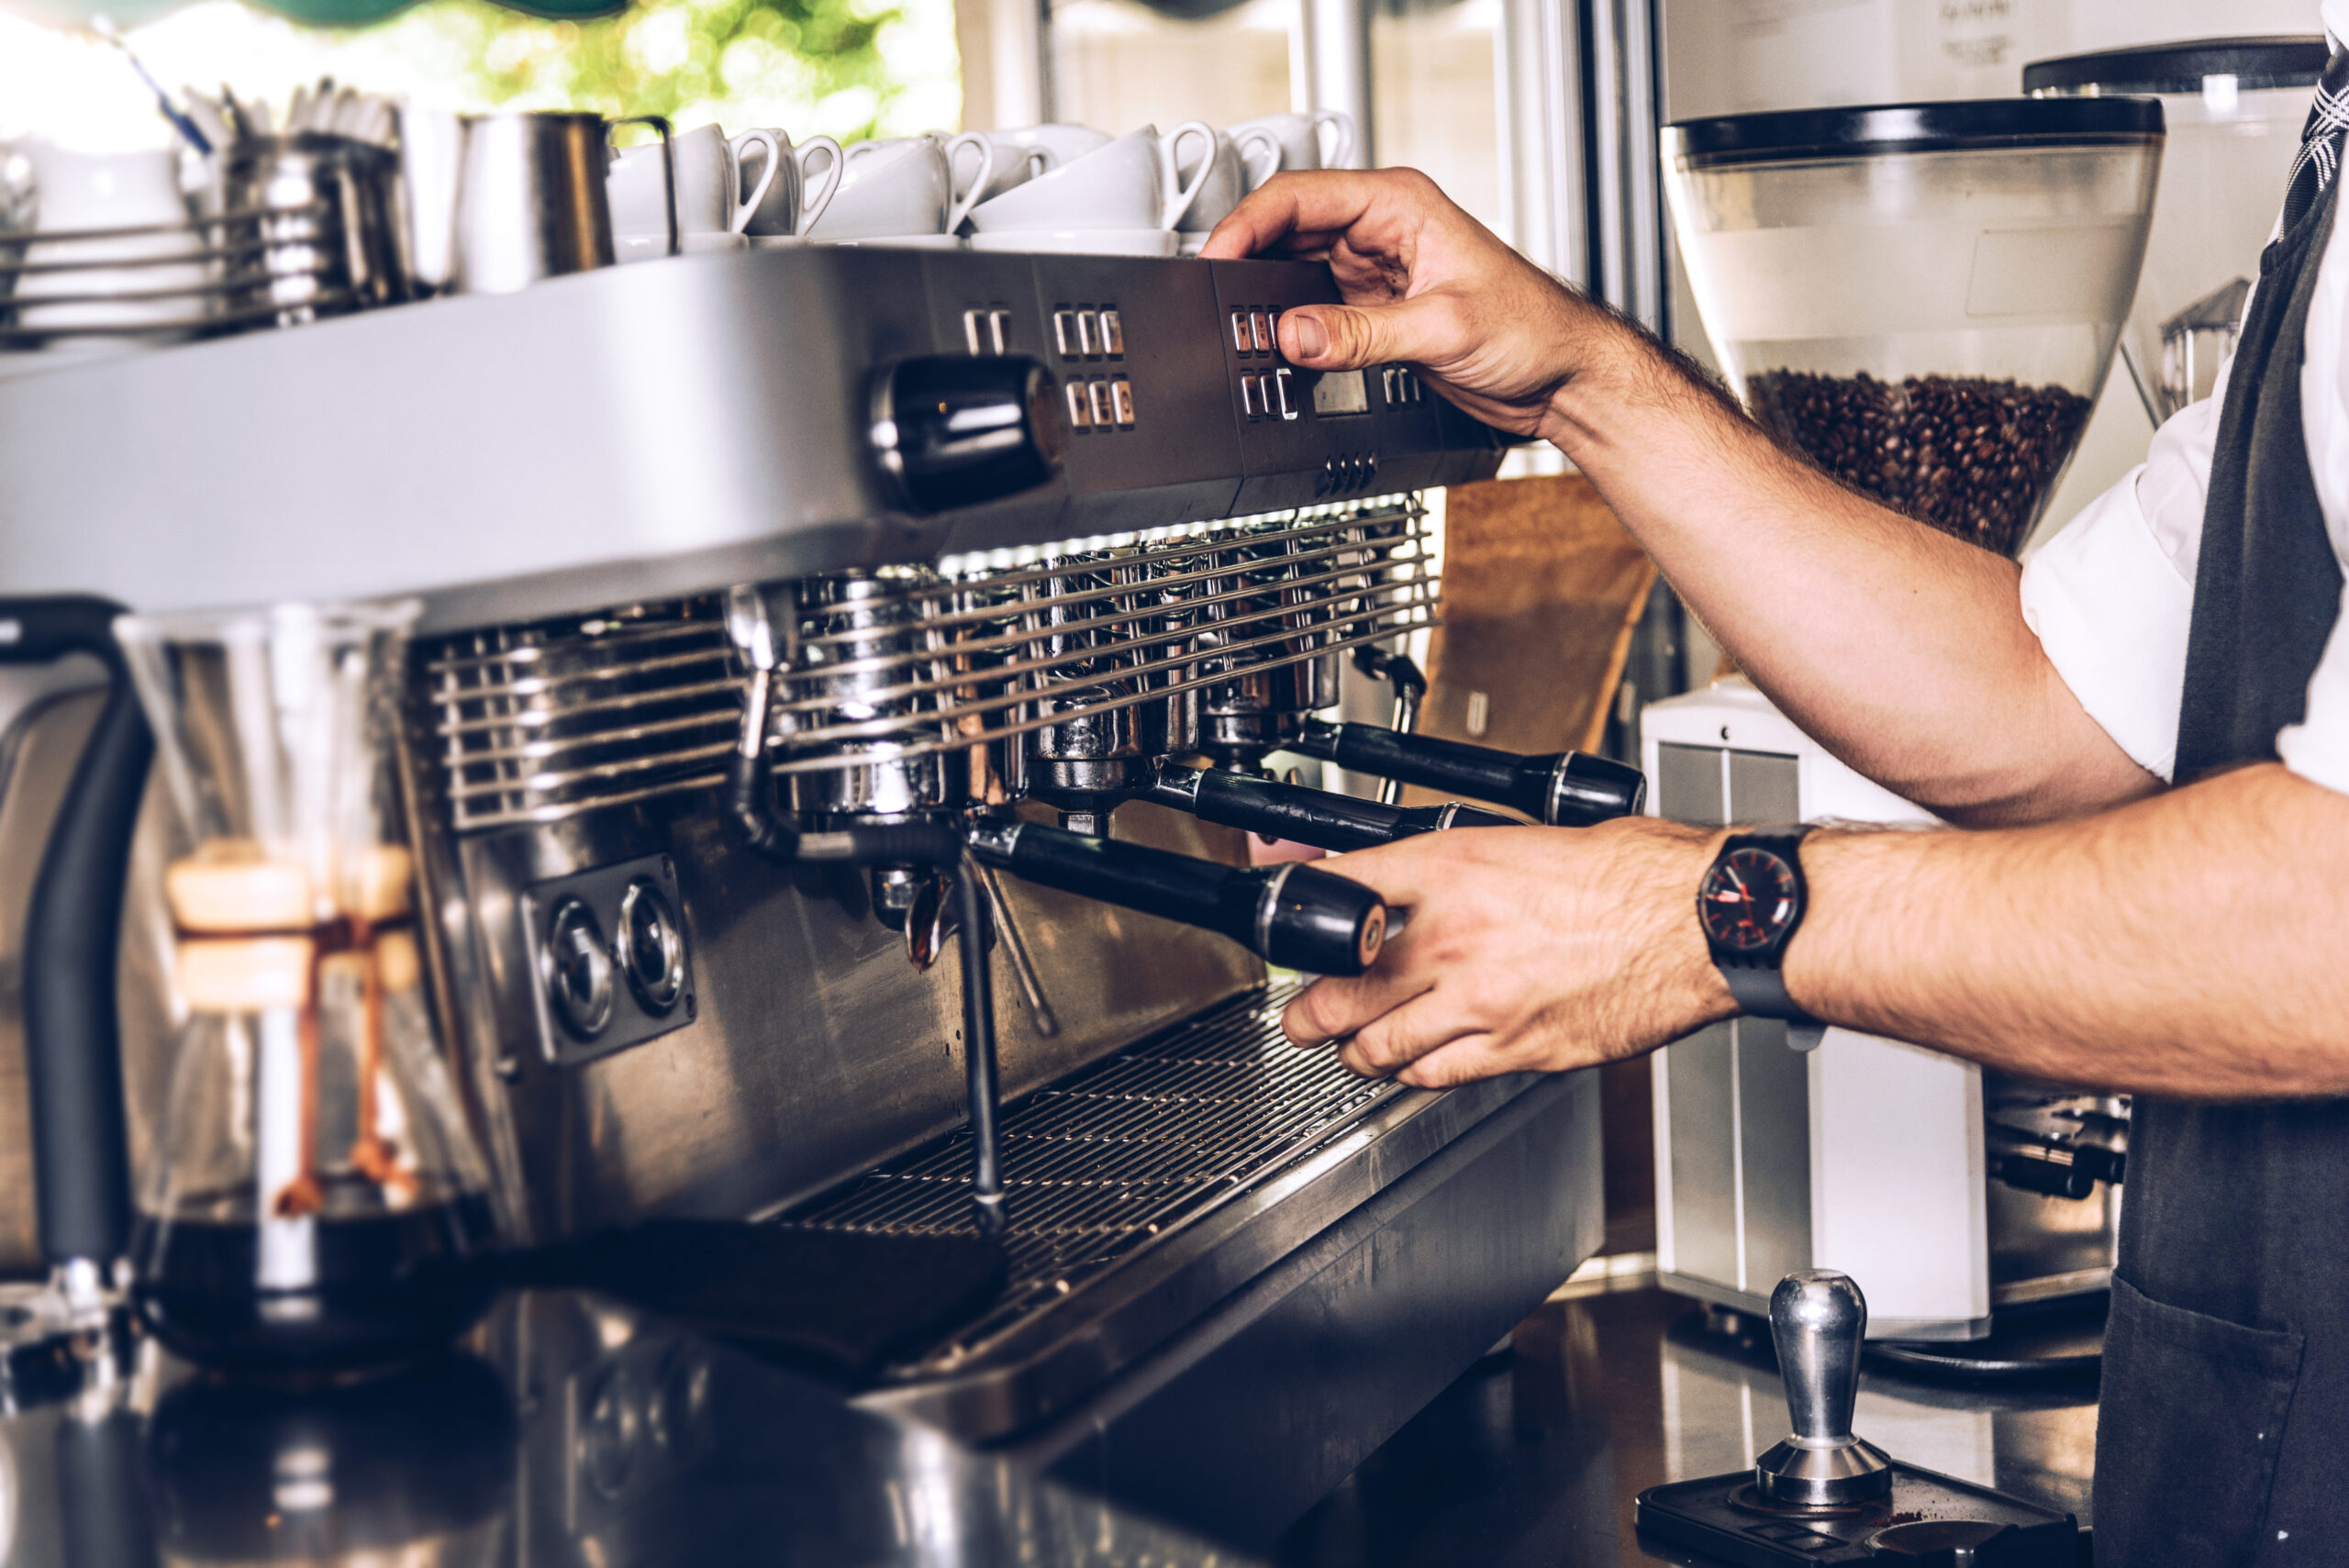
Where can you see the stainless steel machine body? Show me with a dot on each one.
(653, 1020)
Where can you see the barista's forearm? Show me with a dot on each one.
(2188, 945)
(1903, 650)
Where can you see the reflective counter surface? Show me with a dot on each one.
(1534, 1456)
(576, 1431)
(569, 1431)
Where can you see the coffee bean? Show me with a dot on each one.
(1972, 457)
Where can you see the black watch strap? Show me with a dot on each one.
(1755, 981)
(1761, 992)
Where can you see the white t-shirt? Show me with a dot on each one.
(2112, 595)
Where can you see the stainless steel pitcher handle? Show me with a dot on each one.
(668, 165)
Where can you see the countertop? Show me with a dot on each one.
(1534, 1456)
(576, 1431)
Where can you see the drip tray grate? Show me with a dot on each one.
(1122, 1151)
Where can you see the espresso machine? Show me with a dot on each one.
(790, 618)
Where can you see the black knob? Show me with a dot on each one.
(954, 431)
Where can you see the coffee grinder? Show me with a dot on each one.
(1924, 300)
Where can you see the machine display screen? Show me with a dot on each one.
(1342, 391)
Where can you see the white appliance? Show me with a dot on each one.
(1910, 1171)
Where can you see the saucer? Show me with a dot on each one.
(780, 241)
(1079, 241)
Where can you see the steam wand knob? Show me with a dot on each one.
(1816, 1320)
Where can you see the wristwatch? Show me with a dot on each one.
(1751, 904)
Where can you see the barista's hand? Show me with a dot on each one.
(1428, 286)
(1527, 948)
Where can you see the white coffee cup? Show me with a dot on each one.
(796, 197)
(130, 191)
(1132, 184)
(1026, 151)
(1300, 138)
(1242, 162)
(904, 186)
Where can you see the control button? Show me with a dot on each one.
(999, 331)
(1370, 468)
(1080, 407)
(1252, 395)
(578, 970)
(1098, 393)
(1388, 381)
(1113, 334)
(1088, 337)
(1284, 392)
(1327, 479)
(1241, 342)
(1064, 333)
(650, 946)
(1121, 400)
(1260, 331)
(975, 330)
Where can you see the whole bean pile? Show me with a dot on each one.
(1972, 457)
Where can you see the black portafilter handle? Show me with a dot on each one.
(1564, 789)
(1317, 817)
(72, 934)
(1293, 916)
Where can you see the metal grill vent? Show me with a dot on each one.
(1105, 1161)
(537, 723)
(534, 724)
(919, 662)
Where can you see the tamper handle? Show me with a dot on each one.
(1818, 1318)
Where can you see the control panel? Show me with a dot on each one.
(1312, 436)
(1178, 401)
(614, 968)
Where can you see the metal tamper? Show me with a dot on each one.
(1816, 1319)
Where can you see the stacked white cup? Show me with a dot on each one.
(1122, 198)
(912, 191)
(727, 191)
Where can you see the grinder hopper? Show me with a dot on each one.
(1923, 299)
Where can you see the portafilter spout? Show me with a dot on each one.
(1818, 1318)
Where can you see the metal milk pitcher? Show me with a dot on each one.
(531, 198)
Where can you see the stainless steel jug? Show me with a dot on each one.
(531, 198)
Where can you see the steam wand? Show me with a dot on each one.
(932, 844)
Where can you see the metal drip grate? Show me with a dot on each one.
(1121, 1152)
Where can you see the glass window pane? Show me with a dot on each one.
(1118, 65)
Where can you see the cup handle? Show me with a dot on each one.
(668, 164)
(1179, 198)
(1259, 150)
(812, 204)
(963, 203)
(1041, 160)
(1343, 156)
(747, 207)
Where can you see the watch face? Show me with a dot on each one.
(1748, 899)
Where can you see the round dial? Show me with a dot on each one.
(1747, 900)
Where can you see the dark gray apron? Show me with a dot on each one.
(2225, 1432)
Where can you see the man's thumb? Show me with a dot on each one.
(1346, 336)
